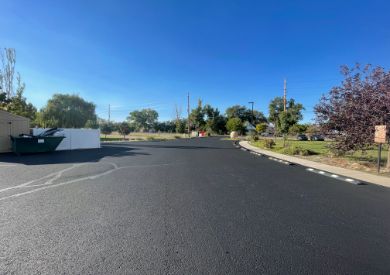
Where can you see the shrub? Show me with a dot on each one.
(296, 150)
(234, 124)
(269, 143)
(261, 127)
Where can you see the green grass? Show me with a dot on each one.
(323, 148)
(102, 138)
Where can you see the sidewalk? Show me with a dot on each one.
(379, 180)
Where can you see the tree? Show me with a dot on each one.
(297, 129)
(180, 126)
(67, 111)
(312, 129)
(11, 101)
(350, 111)
(106, 129)
(143, 120)
(3, 100)
(245, 114)
(197, 117)
(166, 126)
(7, 71)
(124, 129)
(215, 122)
(92, 124)
(237, 111)
(284, 120)
(18, 105)
(235, 124)
(261, 127)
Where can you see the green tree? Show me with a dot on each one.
(166, 126)
(180, 126)
(297, 129)
(143, 120)
(245, 114)
(215, 122)
(197, 117)
(124, 129)
(18, 104)
(234, 124)
(67, 111)
(261, 127)
(92, 124)
(106, 129)
(284, 120)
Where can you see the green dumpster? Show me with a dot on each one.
(35, 144)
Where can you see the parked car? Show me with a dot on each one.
(302, 137)
(317, 138)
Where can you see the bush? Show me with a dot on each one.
(177, 137)
(269, 143)
(296, 150)
(150, 138)
(261, 128)
(234, 124)
(254, 137)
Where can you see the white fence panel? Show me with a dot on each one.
(76, 138)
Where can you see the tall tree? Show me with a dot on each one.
(351, 111)
(67, 111)
(7, 71)
(284, 120)
(197, 117)
(215, 122)
(18, 104)
(143, 120)
(245, 114)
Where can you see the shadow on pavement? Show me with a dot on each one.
(76, 156)
(185, 147)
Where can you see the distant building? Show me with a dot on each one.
(249, 128)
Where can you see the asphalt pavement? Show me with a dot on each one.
(198, 206)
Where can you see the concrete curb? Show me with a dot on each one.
(352, 176)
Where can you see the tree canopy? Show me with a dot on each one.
(350, 111)
(234, 124)
(143, 120)
(245, 114)
(284, 120)
(67, 111)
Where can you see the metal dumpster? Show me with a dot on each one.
(35, 144)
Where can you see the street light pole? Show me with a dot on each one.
(252, 102)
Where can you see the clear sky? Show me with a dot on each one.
(137, 54)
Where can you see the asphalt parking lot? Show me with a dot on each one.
(185, 207)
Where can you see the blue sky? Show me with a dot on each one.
(137, 54)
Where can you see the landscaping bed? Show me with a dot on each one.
(320, 151)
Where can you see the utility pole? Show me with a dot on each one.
(285, 94)
(251, 102)
(284, 107)
(109, 113)
(188, 113)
